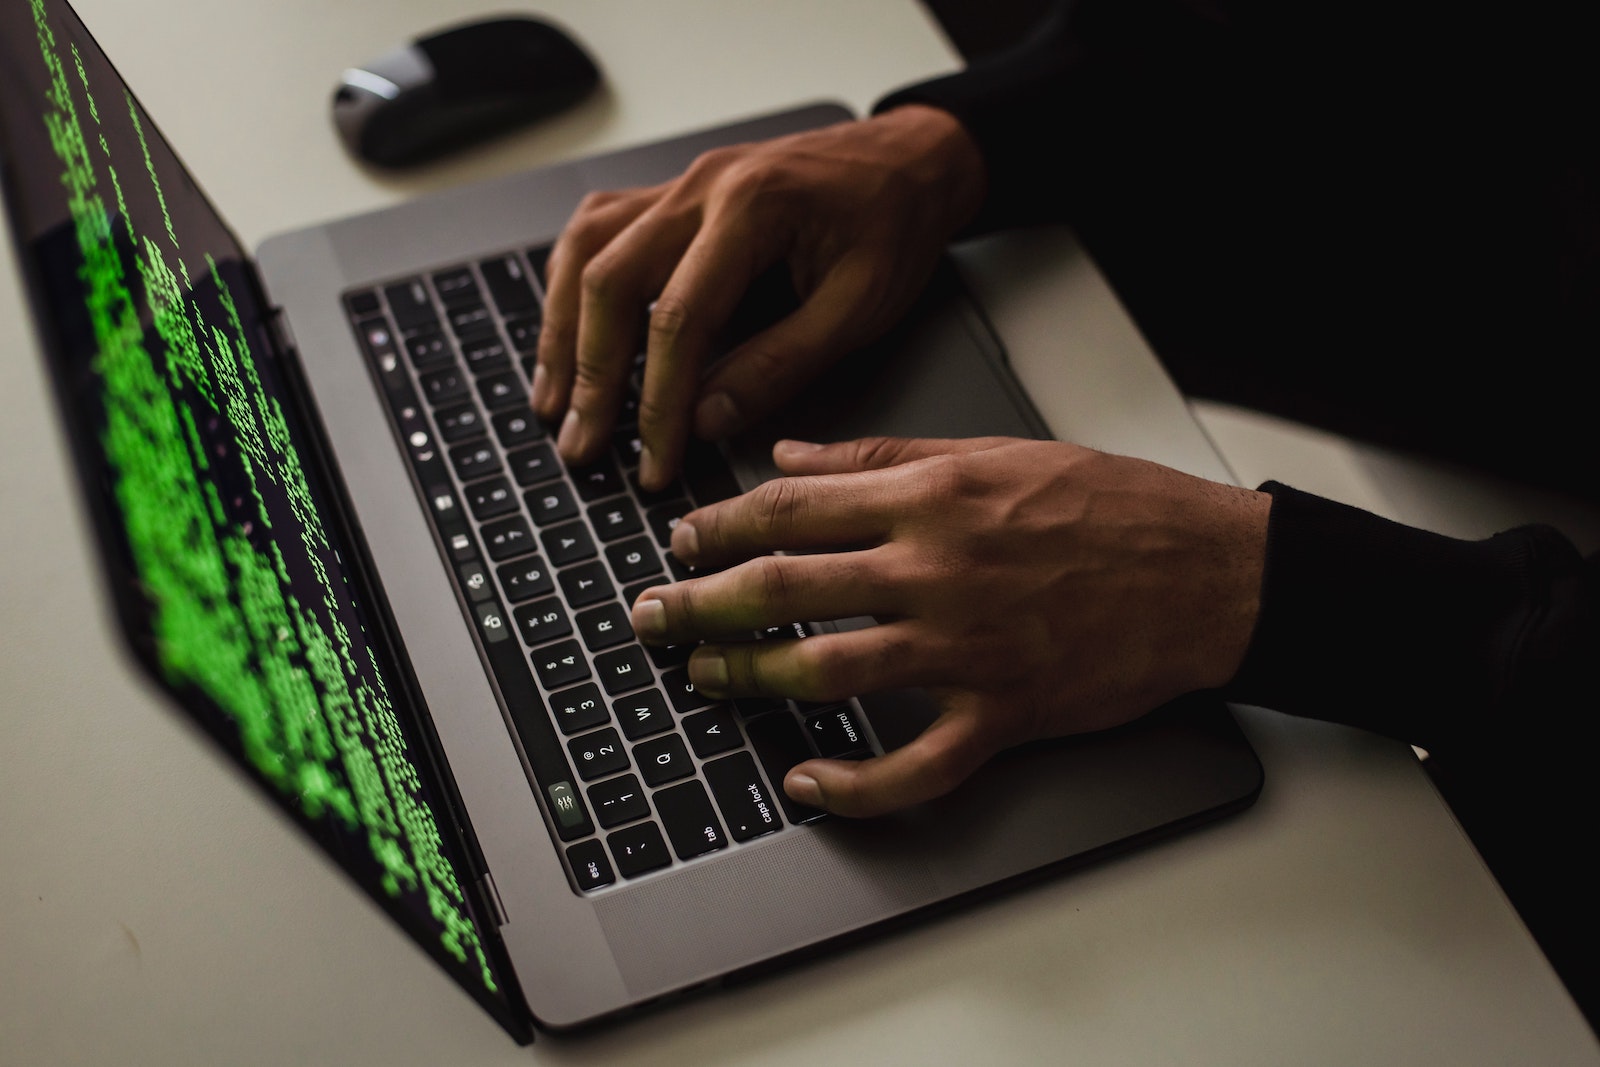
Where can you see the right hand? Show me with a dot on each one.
(859, 211)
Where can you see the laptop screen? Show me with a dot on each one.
(231, 574)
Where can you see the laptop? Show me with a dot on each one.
(334, 534)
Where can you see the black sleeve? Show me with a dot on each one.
(1444, 643)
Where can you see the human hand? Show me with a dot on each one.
(1038, 589)
(858, 211)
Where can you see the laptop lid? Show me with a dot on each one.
(232, 571)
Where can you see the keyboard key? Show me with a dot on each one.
(538, 257)
(692, 826)
(551, 503)
(363, 304)
(615, 519)
(456, 286)
(523, 333)
(585, 584)
(502, 390)
(642, 714)
(663, 759)
(475, 580)
(747, 806)
(560, 665)
(544, 620)
(598, 754)
(664, 518)
(597, 480)
(410, 306)
(525, 578)
(460, 422)
(427, 350)
(579, 708)
(474, 460)
(442, 386)
(712, 731)
(507, 537)
(623, 669)
(485, 354)
(590, 866)
(681, 691)
(838, 733)
(470, 320)
(567, 544)
(515, 428)
(490, 498)
(507, 280)
(669, 656)
(707, 472)
(618, 800)
(534, 464)
(780, 746)
(633, 560)
(638, 849)
(604, 627)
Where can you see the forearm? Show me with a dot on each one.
(1436, 641)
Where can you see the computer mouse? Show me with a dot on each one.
(458, 86)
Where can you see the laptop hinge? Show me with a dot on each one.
(491, 893)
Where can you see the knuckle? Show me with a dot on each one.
(772, 583)
(599, 282)
(874, 452)
(778, 505)
(670, 319)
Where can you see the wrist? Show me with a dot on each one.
(941, 157)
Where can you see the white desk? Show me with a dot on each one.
(153, 910)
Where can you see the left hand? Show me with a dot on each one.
(1037, 588)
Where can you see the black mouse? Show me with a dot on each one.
(459, 86)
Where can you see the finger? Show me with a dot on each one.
(871, 453)
(617, 287)
(789, 514)
(769, 591)
(764, 372)
(597, 221)
(714, 274)
(939, 759)
(824, 667)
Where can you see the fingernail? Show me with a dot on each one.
(650, 618)
(804, 788)
(686, 542)
(567, 439)
(709, 673)
(716, 416)
(798, 447)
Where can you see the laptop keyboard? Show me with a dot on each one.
(636, 771)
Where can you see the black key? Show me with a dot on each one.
(551, 503)
(567, 544)
(525, 578)
(441, 386)
(490, 497)
(598, 754)
(502, 390)
(560, 665)
(515, 428)
(460, 543)
(615, 518)
(623, 669)
(474, 460)
(780, 745)
(376, 337)
(673, 490)
(579, 708)
(585, 584)
(692, 826)
(747, 806)
(507, 537)
(668, 656)
(590, 866)
(642, 714)
(491, 618)
(630, 593)
(663, 519)
(712, 731)
(838, 733)
(679, 570)
(507, 280)
(523, 333)
(681, 691)
(604, 627)
(485, 354)
(663, 759)
(638, 849)
(750, 707)
(475, 580)
(632, 560)
(470, 320)
(545, 620)
(708, 474)
(534, 464)
(363, 304)
(428, 350)
(618, 800)
(410, 306)
(456, 287)
(539, 741)
(539, 257)
(460, 423)
(597, 480)
(628, 446)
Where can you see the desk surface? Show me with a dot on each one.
(153, 910)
